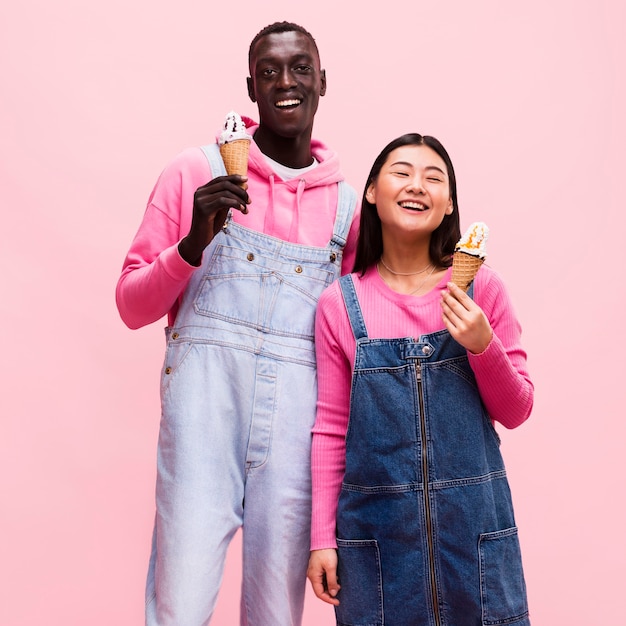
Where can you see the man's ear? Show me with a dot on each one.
(323, 81)
(250, 84)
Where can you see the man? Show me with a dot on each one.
(239, 272)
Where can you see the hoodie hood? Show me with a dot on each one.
(326, 172)
(300, 210)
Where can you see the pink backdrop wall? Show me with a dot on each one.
(95, 98)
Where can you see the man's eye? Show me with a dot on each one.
(302, 68)
(268, 72)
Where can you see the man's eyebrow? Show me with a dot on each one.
(299, 56)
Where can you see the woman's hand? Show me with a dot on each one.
(465, 320)
(322, 573)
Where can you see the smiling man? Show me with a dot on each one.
(237, 264)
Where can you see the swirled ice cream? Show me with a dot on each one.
(474, 240)
(234, 142)
(234, 129)
(469, 254)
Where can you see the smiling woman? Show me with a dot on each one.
(412, 196)
(412, 513)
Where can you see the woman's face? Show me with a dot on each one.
(412, 191)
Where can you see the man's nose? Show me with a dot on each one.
(286, 78)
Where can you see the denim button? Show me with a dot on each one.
(333, 257)
(426, 350)
(175, 335)
(298, 269)
(168, 370)
(250, 256)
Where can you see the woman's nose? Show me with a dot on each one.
(415, 185)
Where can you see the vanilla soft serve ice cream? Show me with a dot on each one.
(234, 142)
(234, 129)
(469, 254)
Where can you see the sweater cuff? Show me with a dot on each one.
(320, 543)
(490, 354)
(175, 266)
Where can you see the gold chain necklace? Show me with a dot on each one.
(402, 273)
(411, 293)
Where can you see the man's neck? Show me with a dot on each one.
(293, 152)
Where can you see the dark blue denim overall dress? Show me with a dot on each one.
(425, 527)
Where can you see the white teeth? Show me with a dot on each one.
(287, 103)
(413, 205)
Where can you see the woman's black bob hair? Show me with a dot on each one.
(443, 240)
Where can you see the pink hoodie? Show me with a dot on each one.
(301, 210)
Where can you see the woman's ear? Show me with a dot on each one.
(450, 207)
(370, 196)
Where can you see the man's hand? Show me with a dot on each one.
(322, 573)
(211, 204)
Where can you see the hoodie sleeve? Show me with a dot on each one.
(154, 275)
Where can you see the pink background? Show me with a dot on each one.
(96, 97)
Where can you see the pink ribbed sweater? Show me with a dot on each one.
(500, 370)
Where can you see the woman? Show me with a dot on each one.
(412, 511)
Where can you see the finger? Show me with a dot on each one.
(452, 310)
(459, 295)
(318, 583)
(332, 583)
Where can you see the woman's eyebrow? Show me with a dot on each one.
(434, 167)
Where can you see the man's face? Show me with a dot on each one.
(286, 82)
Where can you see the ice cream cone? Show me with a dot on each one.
(235, 156)
(464, 268)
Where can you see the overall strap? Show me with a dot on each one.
(213, 156)
(355, 315)
(346, 204)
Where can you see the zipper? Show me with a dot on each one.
(427, 509)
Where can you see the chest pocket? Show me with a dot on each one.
(273, 295)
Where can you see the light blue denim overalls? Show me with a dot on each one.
(425, 523)
(238, 395)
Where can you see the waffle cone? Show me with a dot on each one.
(235, 156)
(464, 268)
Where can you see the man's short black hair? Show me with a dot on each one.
(280, 27)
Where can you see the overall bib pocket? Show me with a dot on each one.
(360, 578)
(274, 295)
(502, 586)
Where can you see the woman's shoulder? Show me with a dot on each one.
(330, 296)
(488, 277)
(490, 291)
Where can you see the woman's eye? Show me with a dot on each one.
(434, 179)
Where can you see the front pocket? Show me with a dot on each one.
(502, 586)
(360, 577)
